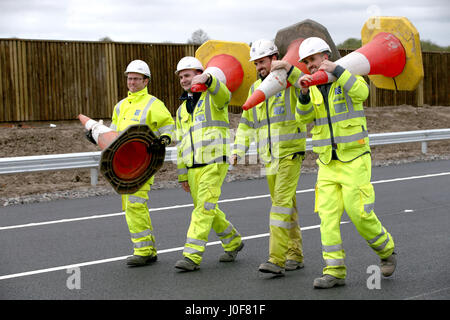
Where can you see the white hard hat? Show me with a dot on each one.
(312, 46)
(138, 66)
(262, 48)
(189, 63)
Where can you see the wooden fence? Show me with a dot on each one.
(57, 80)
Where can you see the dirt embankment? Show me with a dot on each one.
(68, 137)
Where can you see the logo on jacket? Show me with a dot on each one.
(337, 90)
(278, 110)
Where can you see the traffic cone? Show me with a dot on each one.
(276, 81)
(384, 55)
(101, 133)
(128, 159)
(227, 69)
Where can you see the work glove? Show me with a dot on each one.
(89, 136)
(164, 140)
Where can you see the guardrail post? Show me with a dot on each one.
(94, 176)
(424, 147)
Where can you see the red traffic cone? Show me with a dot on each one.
(128, 159)
(276, 80)
(384, 55)
(226, 68)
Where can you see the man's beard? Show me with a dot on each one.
(261, 77)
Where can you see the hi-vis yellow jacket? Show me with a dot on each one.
(204, 135)
(272, 125)
(142, 108)
(339, 124)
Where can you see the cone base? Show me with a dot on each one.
(256, 98)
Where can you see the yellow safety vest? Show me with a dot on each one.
(272, 125)
(342, 124)
(143, 108)
(204, 135)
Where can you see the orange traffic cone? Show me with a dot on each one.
(226, 68)
(276, 80)
(128, 159)
(384, 55)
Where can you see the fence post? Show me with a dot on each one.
(420, 94)
(373, 94)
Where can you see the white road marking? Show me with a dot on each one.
(89, 263)
(99, 216)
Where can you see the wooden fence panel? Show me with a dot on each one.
(56, 80)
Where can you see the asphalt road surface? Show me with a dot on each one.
(76, 249)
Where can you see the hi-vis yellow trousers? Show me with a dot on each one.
(285, 236)
(346, 186)
(205, 184)
(139, 222)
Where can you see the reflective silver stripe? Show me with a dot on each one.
(369, 207)
(383, 245)
(167, 129)
(281, 210)
(209, 206)
(207, 124)
(134, 199)
(143, 244)
(340, 117)
(247, 122)
(372, 241)
(345, 139)
(182, 171)
(332, 248)
(228, 240)
(192, 251)
(141, 234)
(216, 89)
(349, 84)
(118, 106)
(197, 242)
(283, 137)
(321, 142)
(206, 143)
(304, 113)
(226, 232)
(334, 262)
(287, 103)
(281, 224)
(238, 146)
(351, 138)
(145, 112)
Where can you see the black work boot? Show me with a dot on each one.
(138, 261)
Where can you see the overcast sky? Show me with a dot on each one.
(231, 20)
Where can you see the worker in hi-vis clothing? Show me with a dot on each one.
(340, 139)
(203, 136)
(281, 143)
(140, 107)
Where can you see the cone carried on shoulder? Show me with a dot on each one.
(128, 159)
(228, 61)
(391, 55)
(383, 55)
(276, 81)
(227, 69)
